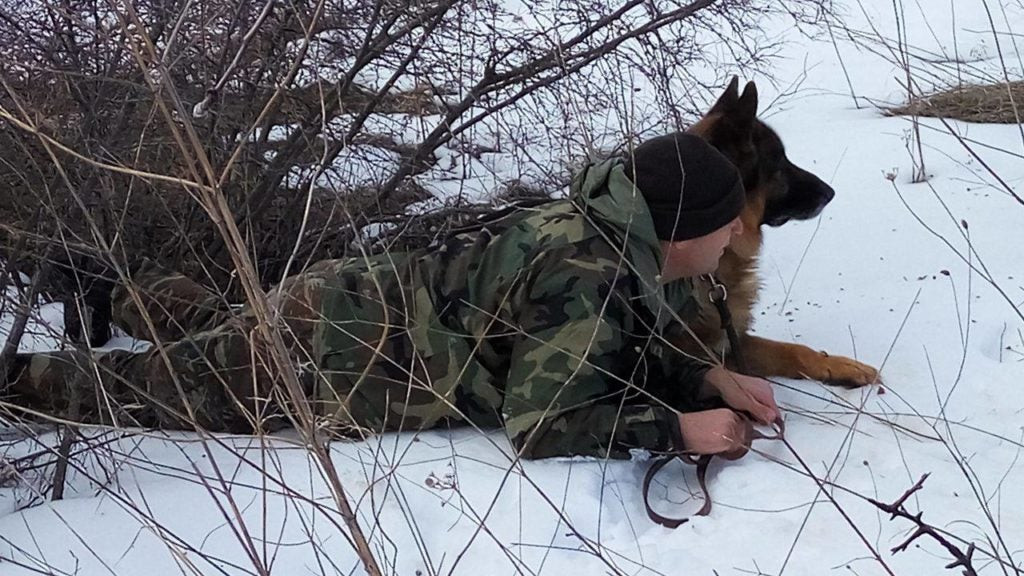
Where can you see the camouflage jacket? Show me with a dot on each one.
(549, 321)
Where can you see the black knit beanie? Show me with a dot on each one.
(691, 189)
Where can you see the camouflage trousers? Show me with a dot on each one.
(208, 368)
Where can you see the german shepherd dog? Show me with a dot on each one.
(777, 191)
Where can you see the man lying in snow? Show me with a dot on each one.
(549, 321)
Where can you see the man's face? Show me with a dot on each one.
(700, 255)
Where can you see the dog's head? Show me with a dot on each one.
(776, 188)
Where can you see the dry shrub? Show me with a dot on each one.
(285, 98)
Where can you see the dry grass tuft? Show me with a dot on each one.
(991, 103)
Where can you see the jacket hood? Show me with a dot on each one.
(605, 194)
(614, 205)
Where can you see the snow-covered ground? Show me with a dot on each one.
(868, 279)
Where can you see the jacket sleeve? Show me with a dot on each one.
(568, 390)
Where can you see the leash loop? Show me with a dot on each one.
(701, 461)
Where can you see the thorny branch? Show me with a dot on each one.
(897, 510)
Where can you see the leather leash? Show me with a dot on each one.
(702, 471)
(702, 463)
(718, 296)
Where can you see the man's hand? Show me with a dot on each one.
(720, 431)
(745, 393)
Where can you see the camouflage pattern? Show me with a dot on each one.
(549, 321)
(177, 305)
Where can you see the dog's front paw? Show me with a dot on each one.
(846, 372)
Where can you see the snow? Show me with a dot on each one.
(866, 280)
(41, 331)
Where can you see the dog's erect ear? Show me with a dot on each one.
(727, 101)
(738, 111)
(746, 107)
